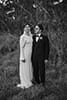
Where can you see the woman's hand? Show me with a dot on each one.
(24, 60)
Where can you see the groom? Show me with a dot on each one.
(40, 54)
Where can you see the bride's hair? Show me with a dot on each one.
(22, 30)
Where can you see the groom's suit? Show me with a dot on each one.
(40, 53)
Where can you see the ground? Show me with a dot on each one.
(56, 78)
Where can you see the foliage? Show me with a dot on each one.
(54, 22)
(56, 77)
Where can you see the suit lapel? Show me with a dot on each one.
(39, 41)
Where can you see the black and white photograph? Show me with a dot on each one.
(33, 50)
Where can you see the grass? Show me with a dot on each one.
(56, 78)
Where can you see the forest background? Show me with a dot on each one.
(14, 15)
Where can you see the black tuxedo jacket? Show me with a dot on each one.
(40, 48)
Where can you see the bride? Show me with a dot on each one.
(25, 68)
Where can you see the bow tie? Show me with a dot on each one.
(37, 36)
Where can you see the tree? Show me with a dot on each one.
(12, 13)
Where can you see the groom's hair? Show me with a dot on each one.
(41, 27)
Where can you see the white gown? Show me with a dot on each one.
(26, 72)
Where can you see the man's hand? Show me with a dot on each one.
(46, 61)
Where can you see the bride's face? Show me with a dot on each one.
(27, 29)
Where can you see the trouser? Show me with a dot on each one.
(39, 70)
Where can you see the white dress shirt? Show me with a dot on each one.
(38, 36)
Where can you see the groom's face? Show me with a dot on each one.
(37, 29)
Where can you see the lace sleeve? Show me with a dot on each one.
(22, 44)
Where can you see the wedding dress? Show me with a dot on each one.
(25, 70)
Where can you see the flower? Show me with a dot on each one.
(41, 38)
